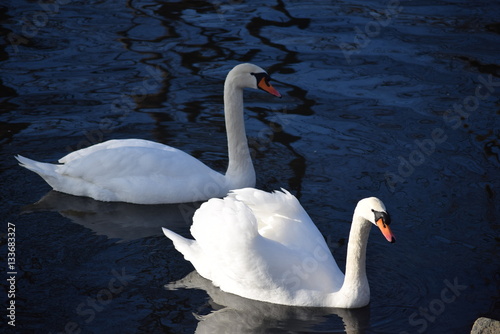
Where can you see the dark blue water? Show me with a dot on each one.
(398, 100)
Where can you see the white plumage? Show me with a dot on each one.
(145, 172)
(264, 246)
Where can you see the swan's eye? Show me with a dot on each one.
(261, 77)
(386, 218)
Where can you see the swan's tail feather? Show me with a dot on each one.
(47, 171)
(41, 168)
(191, 251)
(183, 245)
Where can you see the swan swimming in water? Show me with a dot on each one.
(144, 172)
(264, 246)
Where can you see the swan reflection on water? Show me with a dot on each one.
(235, 314)
(119, 220)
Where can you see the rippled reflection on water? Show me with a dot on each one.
(357, 112)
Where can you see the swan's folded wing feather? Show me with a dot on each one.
(114, 143)
(131, 161)
(281, 218)
(144, 172)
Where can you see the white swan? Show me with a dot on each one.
(144, 172)
(264, 246)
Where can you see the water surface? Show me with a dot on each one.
(397, 100)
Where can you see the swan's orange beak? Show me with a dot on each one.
(266, 86)
(386, 231)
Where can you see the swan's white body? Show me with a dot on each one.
(264, 246)
(145, 172)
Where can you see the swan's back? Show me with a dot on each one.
(111, 144)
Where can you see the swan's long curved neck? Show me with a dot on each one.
(240, 171)
(355, 284)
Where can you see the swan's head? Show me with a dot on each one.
(373, 210)
(251, 76)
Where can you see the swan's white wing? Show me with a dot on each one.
(142, 174)
(235, 256)
(114, 143)
(281, 218)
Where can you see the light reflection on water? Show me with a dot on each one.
(112, 69)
